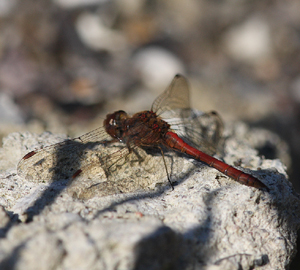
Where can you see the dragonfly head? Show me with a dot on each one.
(114, 124)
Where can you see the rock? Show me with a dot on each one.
(250, 41)
(208, 221)
(155, 64)
(96, 36)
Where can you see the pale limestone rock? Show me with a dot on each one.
(207, 222)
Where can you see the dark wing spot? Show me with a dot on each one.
(29, 155)
(76, 173)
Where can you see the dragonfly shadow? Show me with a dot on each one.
(68, 159)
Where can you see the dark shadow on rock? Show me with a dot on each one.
(9, 263)
(13, 220)
(162, 249)
(68, 158)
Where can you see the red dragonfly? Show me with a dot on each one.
(197, 135)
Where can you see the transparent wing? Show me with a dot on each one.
(201, 130)
(62, 160)
(176, 96)
(112, 174)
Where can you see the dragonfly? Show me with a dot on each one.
(170, 125)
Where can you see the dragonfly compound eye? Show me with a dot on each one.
(114, 122)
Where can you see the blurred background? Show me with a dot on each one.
(64, 64)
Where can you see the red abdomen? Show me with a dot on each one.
(174, 142)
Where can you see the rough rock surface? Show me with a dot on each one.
(207, 222)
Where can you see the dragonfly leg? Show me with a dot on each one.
(163, 156)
